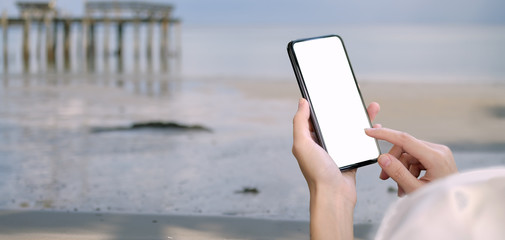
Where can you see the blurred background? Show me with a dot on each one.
(186, 106)
(392, 40)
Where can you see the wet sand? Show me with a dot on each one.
(90, 226)
(22, 225)
(106, 185)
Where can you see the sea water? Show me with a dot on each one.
(377, 53)
(432, 53)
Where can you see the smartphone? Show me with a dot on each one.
(338, 113)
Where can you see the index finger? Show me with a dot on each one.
(408, 143)
(373, 109)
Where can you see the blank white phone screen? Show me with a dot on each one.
(335, 100)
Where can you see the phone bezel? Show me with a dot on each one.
(306, 95)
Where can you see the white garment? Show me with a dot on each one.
(463, 206)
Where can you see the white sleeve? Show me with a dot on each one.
(468, 205)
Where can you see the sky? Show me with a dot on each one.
(293, 12)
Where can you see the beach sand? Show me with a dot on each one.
(249, 146)
(22, 225)
(453, 114)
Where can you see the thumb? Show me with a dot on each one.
(301, 120)
(397, 171)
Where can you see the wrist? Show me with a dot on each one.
(331, 214)
(344, 197)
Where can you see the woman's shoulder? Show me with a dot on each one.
(467, 205)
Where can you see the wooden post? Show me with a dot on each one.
(26, 40)
(119, 38)
(164, 35)
(5, 26)
(49, 40)
(66, 44)
(91, 46)
(83, 38)
(106, 41)
(40, 32)
(54, 31)
(136, 40)
(85, 43)
(149, 40)
(91, 39)
(164, 42)
(120, 46)
(106, 48)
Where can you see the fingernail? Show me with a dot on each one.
(300, 101)
(384, 160)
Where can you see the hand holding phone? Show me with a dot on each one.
(338, 114)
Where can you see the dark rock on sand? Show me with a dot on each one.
(248, 190)
(156, 125)
(497, 111)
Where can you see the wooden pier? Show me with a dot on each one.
(108, 14)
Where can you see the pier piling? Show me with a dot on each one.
(149, 40)
(106, 32)
(5, 38)
(136, 33)
(26, 40)
(98, 16)
(66, 43)
(49, 40)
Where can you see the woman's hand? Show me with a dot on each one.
(332, 193)
(317, 166)
(409, 156)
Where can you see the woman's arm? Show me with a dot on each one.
(332, 193)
